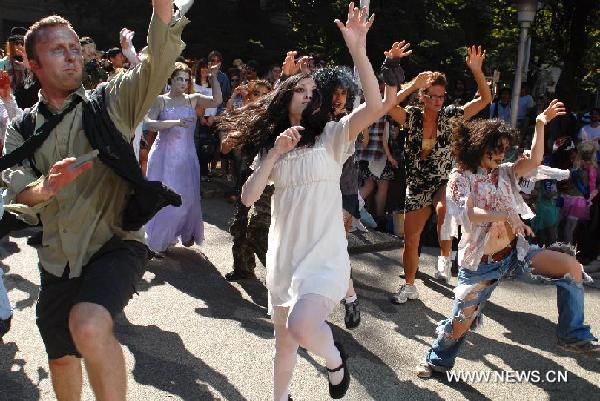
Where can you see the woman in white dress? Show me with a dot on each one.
(302, 153)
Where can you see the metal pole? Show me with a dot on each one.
(516, 90)
(527, 59)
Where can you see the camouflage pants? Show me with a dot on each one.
(250, 230)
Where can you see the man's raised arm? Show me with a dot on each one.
(130, 95)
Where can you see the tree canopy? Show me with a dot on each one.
(566, 33)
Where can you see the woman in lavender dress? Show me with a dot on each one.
(173, 160)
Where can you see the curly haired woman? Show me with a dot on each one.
(483, 198)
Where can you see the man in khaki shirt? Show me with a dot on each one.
(89, 265)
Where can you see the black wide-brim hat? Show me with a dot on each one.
(17, 34)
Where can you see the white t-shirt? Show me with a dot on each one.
(206, 92)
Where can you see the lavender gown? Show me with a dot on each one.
(173, 161)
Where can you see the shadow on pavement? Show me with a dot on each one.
(162, 361)
(194, 275)
(15, 385)
(218, 213)
(16, 281)
(394, 388)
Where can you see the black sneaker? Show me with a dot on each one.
(4, 326)
(352, 318)
(236, 276)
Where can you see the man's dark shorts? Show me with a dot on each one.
(108, 280)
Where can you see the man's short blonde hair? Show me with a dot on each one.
(34, 31)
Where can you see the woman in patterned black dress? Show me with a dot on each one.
(429, 161)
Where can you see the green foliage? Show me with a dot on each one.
(438, 30)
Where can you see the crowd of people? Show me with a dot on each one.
(107, 152)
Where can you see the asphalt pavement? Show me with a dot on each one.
(191, 335)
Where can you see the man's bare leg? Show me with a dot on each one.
(92, 330)
(66, 378)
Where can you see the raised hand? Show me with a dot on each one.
(304, 64)
(423, 80)
(213, 70)
(288, 140)
(289, 66)
(398, 50)
(555, 108)
(125, 38)
(475, 58)
(356, 28)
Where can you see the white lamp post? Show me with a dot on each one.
(526, 14)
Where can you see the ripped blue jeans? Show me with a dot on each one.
(475, 288)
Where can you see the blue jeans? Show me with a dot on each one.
(475, 288)
(5, 308)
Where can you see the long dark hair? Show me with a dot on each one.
(475, 139)
(259, 123)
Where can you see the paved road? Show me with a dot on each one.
(191, 335)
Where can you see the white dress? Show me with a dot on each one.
(307, 251)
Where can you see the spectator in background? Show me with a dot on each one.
(215, 58)
(234, 77)
(274, 74)
(581, 191)
(14, 60)
(251, 70)
(93, 72)
(116, 58)
(207, 143)
(500, 108)
(591, 132)
(525, 117)
(526, 105)
(24, 87)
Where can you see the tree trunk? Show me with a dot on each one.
(569, 82)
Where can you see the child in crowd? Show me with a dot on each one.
(581, 189)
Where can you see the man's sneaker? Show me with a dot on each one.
(423, 370)
(4, 326)
(406, 292)
(444, 268)
(352, 318)
(587, 347)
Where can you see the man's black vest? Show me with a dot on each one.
(147, 197)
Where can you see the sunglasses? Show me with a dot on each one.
(434, 97)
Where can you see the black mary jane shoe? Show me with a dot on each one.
(339, 390)
(290, 398)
